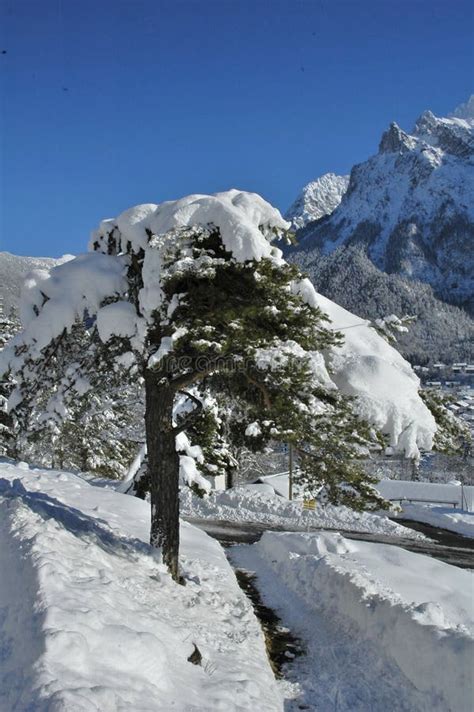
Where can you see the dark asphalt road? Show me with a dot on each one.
(444, 545)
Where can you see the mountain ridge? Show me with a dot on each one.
(317, 199)
(401, 239)
(13, 272)
(411, 206)
(441, 331)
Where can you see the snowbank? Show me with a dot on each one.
(416, 613)
(92, 621)
(454, 520)
(258, 503)
(444, 515)
(438, 492)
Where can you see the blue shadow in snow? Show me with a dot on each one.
(72, 519)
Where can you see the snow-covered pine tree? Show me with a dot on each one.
(390, 326)
(453, 436)
(71, 421)
(9, 325)
(195, 296)
(211, 455)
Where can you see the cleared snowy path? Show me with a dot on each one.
(383, 629)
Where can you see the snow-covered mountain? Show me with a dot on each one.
(411, 206)
(317, 199)
(13, 270)
(441, 332)
(465, 111)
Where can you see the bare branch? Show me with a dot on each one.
(191, 417)
(263, 390)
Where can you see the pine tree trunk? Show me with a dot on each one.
(163, 470)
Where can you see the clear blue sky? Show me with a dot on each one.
(106, 104)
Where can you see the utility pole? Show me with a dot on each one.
(290, 471)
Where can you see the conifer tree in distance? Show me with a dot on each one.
(9, 325)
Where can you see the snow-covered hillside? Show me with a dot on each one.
(441, 332)
(318, 198)
(91, 620)
(411, 206)
(385, 386)
(14, 269)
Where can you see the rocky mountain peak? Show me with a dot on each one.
(317, 199)
(465, 111)
(410, 207)
(452, 135)
(394, 140)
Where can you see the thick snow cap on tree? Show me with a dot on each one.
(52, 301)
(384, 384)
(245, 220)
(365, 366)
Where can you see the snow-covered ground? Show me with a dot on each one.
(454, 520)
(259, 503)
(454, 512)
(384, 628)
(453, 494)
(90, 620)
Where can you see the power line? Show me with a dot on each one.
(341, 328)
